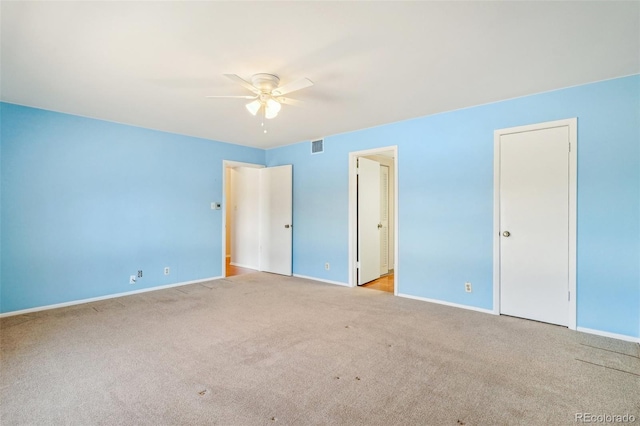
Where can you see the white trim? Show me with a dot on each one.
(607, 334)
(572, 124)
(321, 280)
(353, 220)
(109, 296)
(240, 265)
(229, 164)
(441, 302)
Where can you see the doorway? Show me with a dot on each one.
(373, 227)
(535, 222)
(257, 223)
(240, 201)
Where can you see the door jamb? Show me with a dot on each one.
(572, 124)
(353, 220)
(229, 164)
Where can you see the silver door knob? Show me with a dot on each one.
(288, 226)
(506, 233)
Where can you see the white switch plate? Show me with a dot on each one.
(132, 279)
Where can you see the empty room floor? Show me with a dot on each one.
(262, 349)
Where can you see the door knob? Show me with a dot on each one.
(379, 225)
(506, 233)
(287, 226)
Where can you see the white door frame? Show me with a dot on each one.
(572, 124)
(225, 165)
(353, 209)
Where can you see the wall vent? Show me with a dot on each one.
(317, 147)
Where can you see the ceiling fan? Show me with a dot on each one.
(267, 96)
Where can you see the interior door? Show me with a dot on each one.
(384, 219)
(276, 203)
(368, 220)
(534, 225)
(244, 232)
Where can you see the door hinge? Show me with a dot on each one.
(569, 147)
(569, 296)
(358, 265)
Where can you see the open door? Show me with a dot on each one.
(384, 220)
(369, 223)
(275, 213)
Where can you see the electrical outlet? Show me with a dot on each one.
(140, 273)
(132, 279)
(327, 266)
(166, 270)
(467, 287)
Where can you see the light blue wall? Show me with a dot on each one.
(446, 199)
(86, 203)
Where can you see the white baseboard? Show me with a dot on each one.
(321, 280)
(241, 265)
(607, 334)
(441, 302)
(99, 298)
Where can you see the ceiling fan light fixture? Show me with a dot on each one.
(272, 108)
(253, 107)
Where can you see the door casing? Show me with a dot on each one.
(353, 209)
(572, 124)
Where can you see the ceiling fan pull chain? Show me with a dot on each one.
(264, 113)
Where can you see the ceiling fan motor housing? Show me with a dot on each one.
(265, 82)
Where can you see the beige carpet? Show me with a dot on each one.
(261, 349)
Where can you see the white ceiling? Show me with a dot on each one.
(151, 64)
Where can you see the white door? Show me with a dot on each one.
(534, 224)
(384, 220)
(276, 201)
(245, 217)
(368, 220)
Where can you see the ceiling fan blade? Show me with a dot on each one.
(289, 101)
(244, 83)
(292, 87)
(233, 97)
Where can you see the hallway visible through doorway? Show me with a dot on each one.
(384, 283)
(236, 270)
